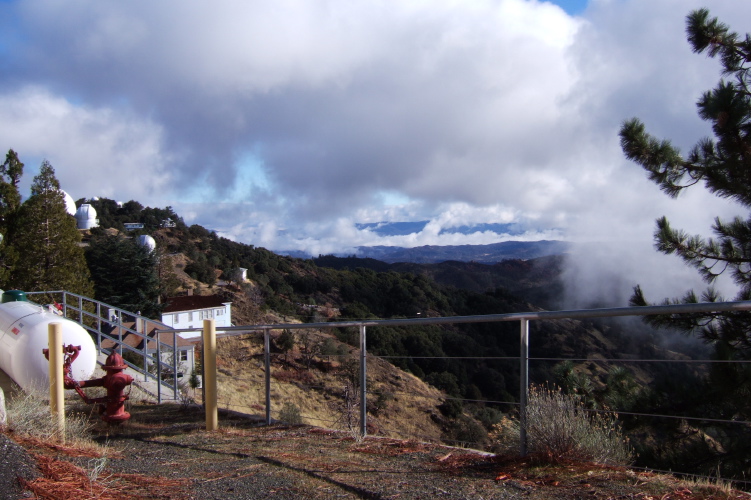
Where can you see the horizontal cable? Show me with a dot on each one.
(514, 358)
(675, 417)
(450, 398)
(627, 360)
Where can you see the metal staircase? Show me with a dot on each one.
(149, 347)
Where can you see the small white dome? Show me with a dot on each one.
(147, 241)
(86, 217)
(70, 203)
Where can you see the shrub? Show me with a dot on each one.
(292, 376)
(451, 408)
(488, 417)
(559, 428)
(331, 347)
(468, 432)
(286, 341)
(290, 414)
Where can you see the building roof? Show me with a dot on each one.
(136, 342)
(193, 302)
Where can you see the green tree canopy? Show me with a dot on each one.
(723, 164)
(45, 241)
(10, 200)
(10, 175)
(125, 274)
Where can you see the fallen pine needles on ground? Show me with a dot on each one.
(62, 480)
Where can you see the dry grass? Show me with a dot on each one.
(319, 392)
(561, 429)
(28, 414)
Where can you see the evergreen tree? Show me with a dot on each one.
(46, 241)
(723, 164)
(10, 200)
(125, 274)
(10, 175)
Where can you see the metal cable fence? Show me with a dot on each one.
(356, 401)
(355, 408)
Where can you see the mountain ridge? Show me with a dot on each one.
(431, 254)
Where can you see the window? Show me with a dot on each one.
(219, 312)
(177, 317)
(190, 316)
(183, 355)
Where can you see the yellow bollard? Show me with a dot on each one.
(57, 390)
(209, 374)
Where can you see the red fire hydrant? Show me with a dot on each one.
(111, 406)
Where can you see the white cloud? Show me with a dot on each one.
(95, 151)
(284, 123)
(433, 99)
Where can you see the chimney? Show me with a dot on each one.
(190, 292)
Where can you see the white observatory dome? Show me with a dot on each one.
(86, 217)
(147, 241)
(70, 204)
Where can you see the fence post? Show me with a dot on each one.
(176, 354)
(523, 386)
(80, 310)
(363, 388)
(267, 365)
(57, 393)
(98, 327)
(146, 352)
(158, 371)
(209, 367)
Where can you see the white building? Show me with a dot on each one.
(70, 204)
(86, 217)
(241, 275)
(189, 311)
(185, 359)
(147, 241)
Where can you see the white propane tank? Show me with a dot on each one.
(24, 330)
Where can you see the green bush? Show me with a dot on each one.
(290, 414)
(468, 432)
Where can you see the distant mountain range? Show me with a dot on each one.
(405, 228)
(485, 254)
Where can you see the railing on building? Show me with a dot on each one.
(107, 322)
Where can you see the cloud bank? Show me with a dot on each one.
(284, 124)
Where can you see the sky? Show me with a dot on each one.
(293, 124)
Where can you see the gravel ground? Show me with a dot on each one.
(164, 454)
(15, 462)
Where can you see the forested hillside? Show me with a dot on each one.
(473, 365)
